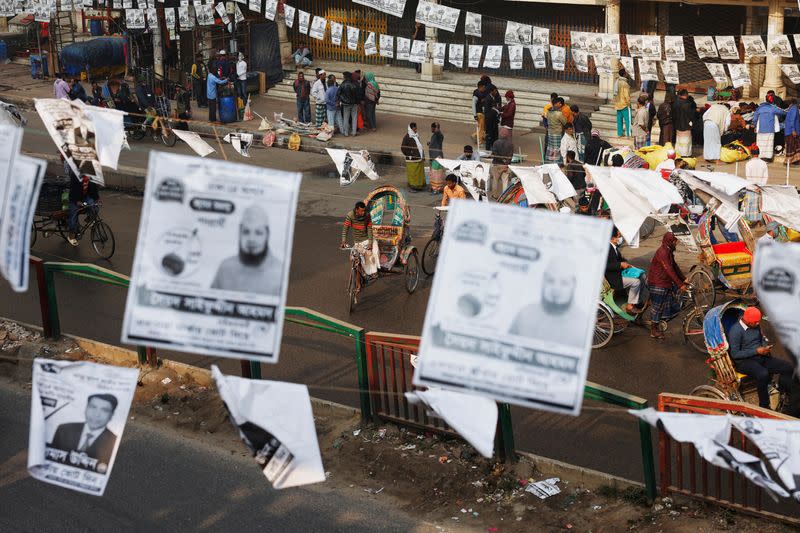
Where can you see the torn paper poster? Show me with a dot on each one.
(195, 142)
(88, 137)
(78, 414)
(350, 164)
(545, 184)
(276, 423)
(544, 489)
(482, 334)
(776, 278)
(710, 434)
(212, 259)
(472, 175)
(474, 417)
(21, 191)
(779, 442)
(241, 142)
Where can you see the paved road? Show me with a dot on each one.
(602, 438)
(164, 482)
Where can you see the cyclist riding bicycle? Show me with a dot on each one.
(82, 192)
(358, 222)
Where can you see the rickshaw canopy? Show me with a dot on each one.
(782, 204)
(716, 324)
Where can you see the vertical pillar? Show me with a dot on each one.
(158, 50)
(430, 72)
(606, 86)
(773, 74)
(283, 42)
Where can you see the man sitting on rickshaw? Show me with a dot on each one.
(617, 268)
(452, 190)
(752, 355)
(358, 222)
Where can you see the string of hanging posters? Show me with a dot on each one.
(645, 51)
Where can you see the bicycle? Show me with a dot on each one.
(163, 131)
(56, 223)
(430, 254)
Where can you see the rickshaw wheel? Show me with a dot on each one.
(648, 227)
(430, 255)
(708, 391)
(603, 328)
(411, 272)
(693, 330)
(351, 291)
(704, 290)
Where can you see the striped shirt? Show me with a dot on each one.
(360, 226)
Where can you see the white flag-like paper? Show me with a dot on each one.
(288, 15)
(635, 45)
(778, 46)
(518, 33)
(726, 47)
(337, 29)
(195, 142)
(648, 69)
(717, 71)
(350, 164)
(403, 48)
(455, 55)
(317, 30)
(303, 21)
(704, 44)
(792, 72)
(541, 37)
(419, 49)
(241, 142)
(515, 56)
(270, 9)
(740, 74)
(628, 64)
(475, 53)
(78, 414)
(212, 259)
(474, 417)
(779, 442)
(352, 38)
(558, 57)
(581, 60)
(439, 53)
(538, 55)
(673, 48)
(670, 70)
(753, 46)
(651, 47)
(493, 57)
(472, 24)
(275, 421)
(371, 44)
(386, 45)
(517, 328)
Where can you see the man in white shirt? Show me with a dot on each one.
(568, 141)
(318, 94)
(241, 78)
(668, 163)
(756, 170)
(757, 173)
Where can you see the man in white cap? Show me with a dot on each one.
(318, 94)
(223, 66)
(668, 163)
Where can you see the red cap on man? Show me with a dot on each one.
(751, 315)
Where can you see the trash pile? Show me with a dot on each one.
(286, 126)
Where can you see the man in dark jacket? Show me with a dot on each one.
(683, 115)
(752, 355)
(349, 97)
(302, 93)
(91, 437)
(491, 114)
(82, 191)
(436, 143)
(615, 264)
(595, 148)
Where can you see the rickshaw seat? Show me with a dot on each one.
(733, 258)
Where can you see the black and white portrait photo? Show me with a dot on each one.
(352, 38)
(648, 69)
(439, 52)
(336, 33)
(704, 44)
(581, 60)
(403, 48)
(651, 46)
(670, 70)
(673, 48)
(472, 24)
(455, 55)
(515, 56)
(475, 54)
(91, 435)
(558, 57)
(386, 45)
(778, 46)
(726, 47)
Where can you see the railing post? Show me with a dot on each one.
(646, 441)
(363, 378)
(52, 303)
(44, 307)
(245, 364)
(255, 369)
(504, 442)
(141, 352)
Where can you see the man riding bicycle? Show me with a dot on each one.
(82, 192)
(358, 222)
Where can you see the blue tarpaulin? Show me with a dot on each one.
(94, 54)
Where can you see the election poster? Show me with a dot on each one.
(493, 57)
(336, 33)
(726, 47)
(303, 21)
(558, 57)
(195, 142)
(515, 56)
(350, 164)
(21, 192)
(475, 53)
(78, 414)
(753, 46)
(472, 24)
(455, 55)
(518, 33)
(581, 60)
(717, 71)
(541, 37)
(134, 19)
(670, 70)
(392, 7)
(270, 9)
(704, 44)
(512, 309)
(740, 74)
(439, 53)
(611, 45)
(648, 69)
(275, 421)
(579, 40)
(352, 38)
(635, 44)
(673, 48)
(437, 15)
(403, 48)
(792, 72)
(253, 5)
(386, 45)
(419, 49)
(317, 30)
(778, 46)
(212, 258)
(288, 15)
(371, 44)
(651, 47)
(628, 64)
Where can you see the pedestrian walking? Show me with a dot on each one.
(555, 130)
(683, 114)
(241, 78)
(640, 123)
(60, 87)
(716, 120)
(372, 96)
(478, 103)
(622, 103)
(302, 92)
(199, 78)
(583, 130)
(508, 111)
(664, 116)
(415, 163)
(791, 131)
(664, 283)
(211, 94)
(318, 94)
(332, 106)
(766, 118)
(348, 98)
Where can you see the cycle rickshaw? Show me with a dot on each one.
(390, 219)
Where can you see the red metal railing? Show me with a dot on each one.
(683, 471)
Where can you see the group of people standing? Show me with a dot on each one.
(568, 130)
(207, 77)
(347, 107)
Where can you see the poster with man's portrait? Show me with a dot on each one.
(538, 55)
(403, 48)
(475, 52)
(419, 49)
(704, 44)
(78, 414)
(541, 36)
(437, 15)
(512, 314)
(134, 19)
(371, 44)
(386, 45)
(629, 65)
(472, 24)
(515, 56)
(579, 40)
(185, 19)
(740, 74)
(778, 46)
(581, 60)
(753, 46)
(288, 15)
(303, 21)
(594, 43)
(352, 38)
(455, 55)
(717, 71)
(635, 44)
(518, 33)
(673, 48)
(603, 63)
(493, 57)
(651, 47)
(726, 47)
(648, 71)
(7, 8)
(558, 57)
(392, 7)
(670, 70)
(317, 30)
(612, 45)
(337, 29)
(212, 258)
(439, 53)
(792, 72)
(205, 14)
(270, 9)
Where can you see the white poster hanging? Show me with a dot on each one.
(540, 37)
(151, 14)
(392, 7)
(594, 43)
(386, 45)
(270, 9)
(455, 55)
(437, 15)
(717, 71)
(558, 57)
(753, 46)
(776, 279)
(518, 33)
(651, 47)
(419, 50)
(611, 45)
(648, 71)
(726, 47)
(555, 264)
(475, 54)
(253, 5)
(238, 16)
(581, 60)
(275, 421)
(352, 38)
(538, 56)
(673, 48)
(796, 37)
(212, 258)
(78, 414)
(515, 56)
(670, 70)
(635, 45)
(439, 52)
(403, 48)
(169, 20)
(303, 21)
(336, 33)
(195, 142)
(134, 19)
(740, 74)
(704, 44)
(371, 44)
(579, 40)
(778, 46)
(185, 20)
(629, 65)
(792, 72)
(288, 15)
(493, 57)
(317, 30)
(603, 63)
(472, 24)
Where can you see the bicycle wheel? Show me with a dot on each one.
(103, 240)
(411, 272)
(693, 330)
(351, 291)
(603, 328)
(430, 255)
(137, 132)
(168, 136)
(648, 227)
(704, 291)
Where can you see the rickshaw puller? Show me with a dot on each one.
(752, 355)
(364, 244)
